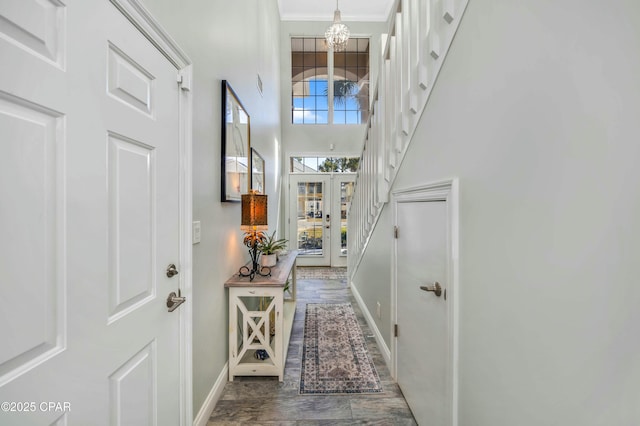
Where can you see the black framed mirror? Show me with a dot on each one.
(236, 146)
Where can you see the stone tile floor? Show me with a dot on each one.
(321, 273)
(266, 401)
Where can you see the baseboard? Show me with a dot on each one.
(212, 399)
(384, 349)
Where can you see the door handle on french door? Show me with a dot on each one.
(436, 288)
(174, 300)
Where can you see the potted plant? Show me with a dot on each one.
(269, 246)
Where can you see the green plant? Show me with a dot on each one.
(269, 245)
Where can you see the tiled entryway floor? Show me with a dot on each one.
(266, 401)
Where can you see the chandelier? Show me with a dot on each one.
(337, 34)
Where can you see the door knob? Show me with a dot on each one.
(434, 288)
(172, 270)
(174, 300)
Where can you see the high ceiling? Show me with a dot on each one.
(322, 10)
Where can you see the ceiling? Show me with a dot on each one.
(322, 10)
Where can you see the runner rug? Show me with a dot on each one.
(334, 355)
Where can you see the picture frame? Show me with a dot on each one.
(235, 146)
(257, 172)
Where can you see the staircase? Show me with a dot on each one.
(412, 55)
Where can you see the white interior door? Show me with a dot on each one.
(90, 218)
(422, 354)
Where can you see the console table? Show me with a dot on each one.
(260, 319)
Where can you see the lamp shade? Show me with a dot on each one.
(254, 212)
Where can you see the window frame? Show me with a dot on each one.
(359, 69)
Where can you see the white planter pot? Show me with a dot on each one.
(268, 260)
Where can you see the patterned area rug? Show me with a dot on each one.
(334, 356)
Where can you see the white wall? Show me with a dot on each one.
(537, 109)
(373, 276)
(232, 41)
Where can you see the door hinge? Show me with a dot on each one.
(395, 330)
(184, 81)
(395, 232)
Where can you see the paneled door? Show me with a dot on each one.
(422, 352)
(90, 218)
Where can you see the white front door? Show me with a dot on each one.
(310, 218)
(318, 217)
(422, 357)
(89, 218)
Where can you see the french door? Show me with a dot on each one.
(318, 217)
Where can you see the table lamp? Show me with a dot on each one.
(254, 222)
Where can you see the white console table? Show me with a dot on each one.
(261, 318)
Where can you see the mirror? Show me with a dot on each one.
(257, 171)
(235, 145)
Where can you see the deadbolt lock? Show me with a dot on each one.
(172, 270)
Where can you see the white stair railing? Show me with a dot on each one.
(412, 55)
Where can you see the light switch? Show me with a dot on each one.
(196, 232)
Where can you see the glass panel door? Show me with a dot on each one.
(309, 216)
(343, 186)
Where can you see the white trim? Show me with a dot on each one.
(186, 250)
(448, 191)
(142, 19)
(202, 418)
(382, 345)
(302, 17)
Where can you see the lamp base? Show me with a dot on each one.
(263, 271)
(251, 240)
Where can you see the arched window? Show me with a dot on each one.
(328, 87)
